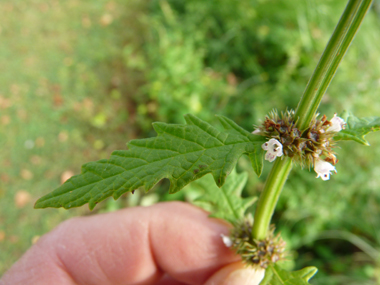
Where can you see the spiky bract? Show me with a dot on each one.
(259, 253)
(302, 145)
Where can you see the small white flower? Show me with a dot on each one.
(226, 240)
(337, 124)
(273, 148)
(323, 168)
(256, 132)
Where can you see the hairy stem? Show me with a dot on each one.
(336, 48)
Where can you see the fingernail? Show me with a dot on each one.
(245, 276)
(237, 274)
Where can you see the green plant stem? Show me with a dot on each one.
(336, 48)
(269, 197)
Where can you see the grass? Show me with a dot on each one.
(63, 102)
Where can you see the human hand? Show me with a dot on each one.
(168, 243)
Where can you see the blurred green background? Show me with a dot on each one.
(81, 78)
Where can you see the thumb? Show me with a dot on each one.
(237, 273)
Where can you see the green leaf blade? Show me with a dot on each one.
(257, 160)
(357, 128)
(181, 153)
(226, 203)
(275, 275)
(231, 127)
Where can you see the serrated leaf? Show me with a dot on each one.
(257, 155)
(357, 128)
(226, 203)
(257, 160)
(274, 275)
(232, 128)
(181, 153)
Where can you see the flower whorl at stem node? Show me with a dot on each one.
(311, 146)
(257, 253)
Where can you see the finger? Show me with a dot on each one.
(131, 246)
(167, 280)
(237, 273)
(189, 248)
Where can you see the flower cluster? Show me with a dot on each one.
(310, 147)
(259, 253)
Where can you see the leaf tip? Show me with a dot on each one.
(157, 126)
(220, 180)
(257, 161)
(258, 173)
(41, 202)
(311, 271)
(37, 205)
(189, 118)
(173, 187)
(92, 204)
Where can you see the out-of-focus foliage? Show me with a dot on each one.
(65, 99)
(81, 78)
(357, 128)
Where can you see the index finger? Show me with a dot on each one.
(131, 246)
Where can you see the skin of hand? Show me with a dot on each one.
(168, 243)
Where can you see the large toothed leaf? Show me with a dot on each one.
(357, 128)
(274, 275)
(225, 203)
(257, 160)
(181, 153)
(257, 156)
